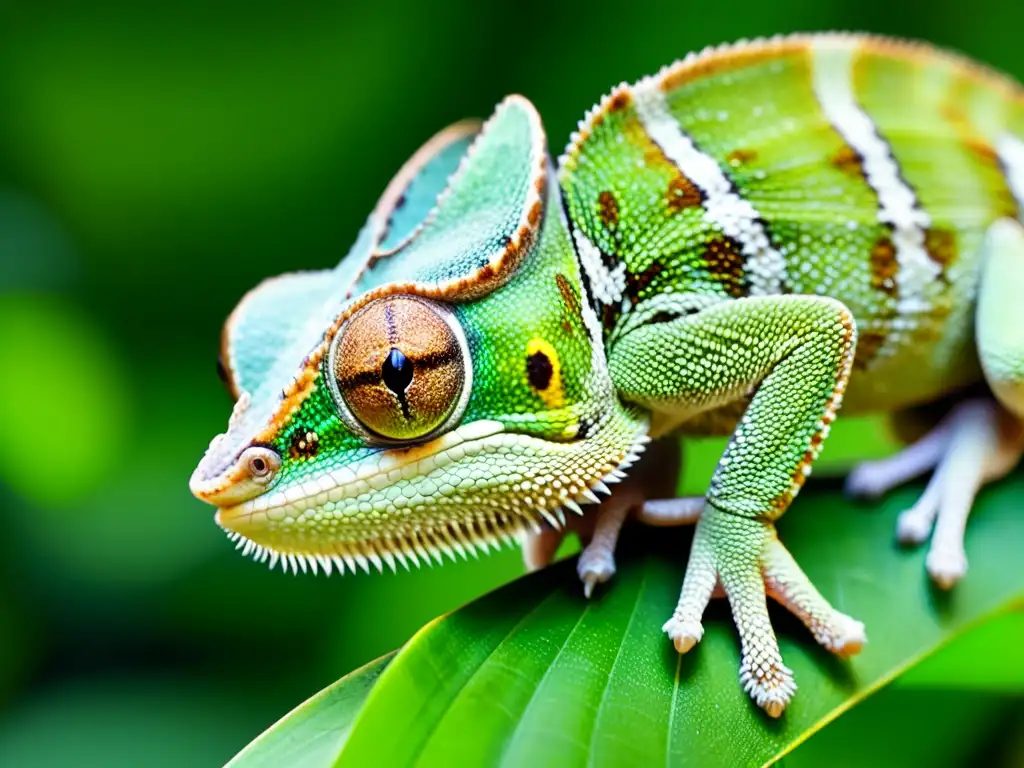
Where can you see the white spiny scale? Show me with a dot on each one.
(559, 513)
(431, 548)
(389, 559)
(375, 559)
(590, 496)
(408, 554)
(265, 554)
(420, 551)
(573, 506)
(399, 555)
(301, 561)
(349, 561)
(534, 523)
(338, 563)
(362, 562)
(325, 564)
(468, 543)
(444, 547)
(454, 543)
(600, 487)
(274, 555)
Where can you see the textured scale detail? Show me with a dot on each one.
(741, 244)
(765, 269)
(898, 207)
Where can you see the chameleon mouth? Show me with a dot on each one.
(451, 497)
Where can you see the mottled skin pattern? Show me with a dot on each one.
(740, 244)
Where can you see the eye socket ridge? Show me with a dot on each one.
(400, 371)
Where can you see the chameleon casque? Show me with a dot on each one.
(737, 245)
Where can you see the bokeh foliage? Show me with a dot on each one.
(156, 161)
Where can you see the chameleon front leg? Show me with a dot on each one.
(979, 440)
(793, 354)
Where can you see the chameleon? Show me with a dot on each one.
(758, 234)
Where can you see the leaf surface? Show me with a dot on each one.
(312, 733)
(534, 674)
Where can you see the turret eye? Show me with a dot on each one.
(400, 369)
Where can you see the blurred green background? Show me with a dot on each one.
(156, 161)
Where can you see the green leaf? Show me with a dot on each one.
(536, 675)
(912, 728)
(313, 732)
(987, 658)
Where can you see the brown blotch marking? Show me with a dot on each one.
(740, 157)
(608, 209)
(868, 344)
(570, 300)
(304, 444)
(609, 315)
(723, 257)
(976, 144)
(539, 370)
(884, 266)
(982, 150)
(638, 282)
(849, 161)
(619, 101)
(940, 244)
(681, 193)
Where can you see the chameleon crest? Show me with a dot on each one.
(740, 244)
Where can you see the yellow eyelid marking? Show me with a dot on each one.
(544, 372)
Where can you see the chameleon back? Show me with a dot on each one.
(849, 166)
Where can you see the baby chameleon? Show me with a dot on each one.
(738, 244)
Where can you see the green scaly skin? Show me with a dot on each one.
(737, 245)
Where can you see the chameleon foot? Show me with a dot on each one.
(597, 560)
(746, 559)
(976, 443)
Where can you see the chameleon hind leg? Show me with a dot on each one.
(793, 354)
(979, 440)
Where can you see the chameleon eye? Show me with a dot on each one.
(400, 369)
(261, 463)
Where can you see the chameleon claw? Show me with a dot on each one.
(683, 633)
(848, 636)
(772, 690)
(596, 566)
(946, 566)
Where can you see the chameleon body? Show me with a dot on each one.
(738, 244)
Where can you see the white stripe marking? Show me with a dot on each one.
(608, 285)
(765, 267)
(897, 203)
(1010, 150)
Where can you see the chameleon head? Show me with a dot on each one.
(443, 389)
